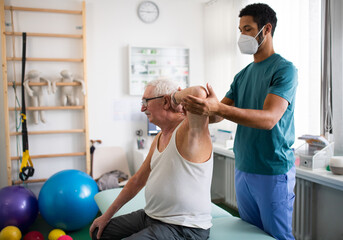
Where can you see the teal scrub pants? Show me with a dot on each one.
(266, 201)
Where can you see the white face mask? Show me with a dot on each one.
(248, 44)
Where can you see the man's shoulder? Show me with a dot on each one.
(282, 62)
(243, 71)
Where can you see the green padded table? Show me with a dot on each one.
(225, 226)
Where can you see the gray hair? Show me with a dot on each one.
(163, 86)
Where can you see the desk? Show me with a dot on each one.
(322, 177)
(318, 176)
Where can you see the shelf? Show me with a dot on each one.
(49, 108)
(76, 154)
(161, 65)
(158, 55)
(30, 181)
(138, 76)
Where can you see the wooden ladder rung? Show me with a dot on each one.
(45, 84)
(58, 35)
(47, 59)
(31, 181)
(49, 108)
(50, 132)
(53, 155)
(43, 10)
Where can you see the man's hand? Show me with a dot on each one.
(99, 223)
(199, 106)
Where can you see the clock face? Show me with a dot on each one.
(148, 11)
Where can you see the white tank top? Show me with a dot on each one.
(179, 191)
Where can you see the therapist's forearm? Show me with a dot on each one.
(261, 119)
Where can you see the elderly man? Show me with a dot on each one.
(176, 174)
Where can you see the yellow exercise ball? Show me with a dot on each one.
(10, 233)
(55, 234)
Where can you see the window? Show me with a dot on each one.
(336, 17)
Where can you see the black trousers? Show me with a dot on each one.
(138, 225)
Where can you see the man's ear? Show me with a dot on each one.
(268, 28)
(167, 102)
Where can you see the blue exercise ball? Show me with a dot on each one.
(66, 200)
(18, 207)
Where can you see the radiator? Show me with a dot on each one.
(230, 197)
(302, 212)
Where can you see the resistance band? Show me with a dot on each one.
(26, 168)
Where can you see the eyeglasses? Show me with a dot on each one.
(145, 100)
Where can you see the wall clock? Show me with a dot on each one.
(148, 11)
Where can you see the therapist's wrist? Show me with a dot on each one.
(216, 110)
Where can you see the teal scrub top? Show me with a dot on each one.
(259, 151)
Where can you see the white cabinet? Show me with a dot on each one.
(149, 63)
(139, 156)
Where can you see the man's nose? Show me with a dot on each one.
(143, 108)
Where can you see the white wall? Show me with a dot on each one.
(112, 25)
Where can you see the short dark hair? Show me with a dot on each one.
(261, 13)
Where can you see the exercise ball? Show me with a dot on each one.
(10, 233)
(55, 234)
(18, 207)
(33, 235)
(66, 200)
(65, 237)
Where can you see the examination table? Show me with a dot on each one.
(225, 226)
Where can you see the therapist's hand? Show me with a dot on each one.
(199, 106)
(99, 223)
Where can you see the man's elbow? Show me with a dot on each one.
(269, 124)
(199, 92)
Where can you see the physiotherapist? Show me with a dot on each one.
(261, 101)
